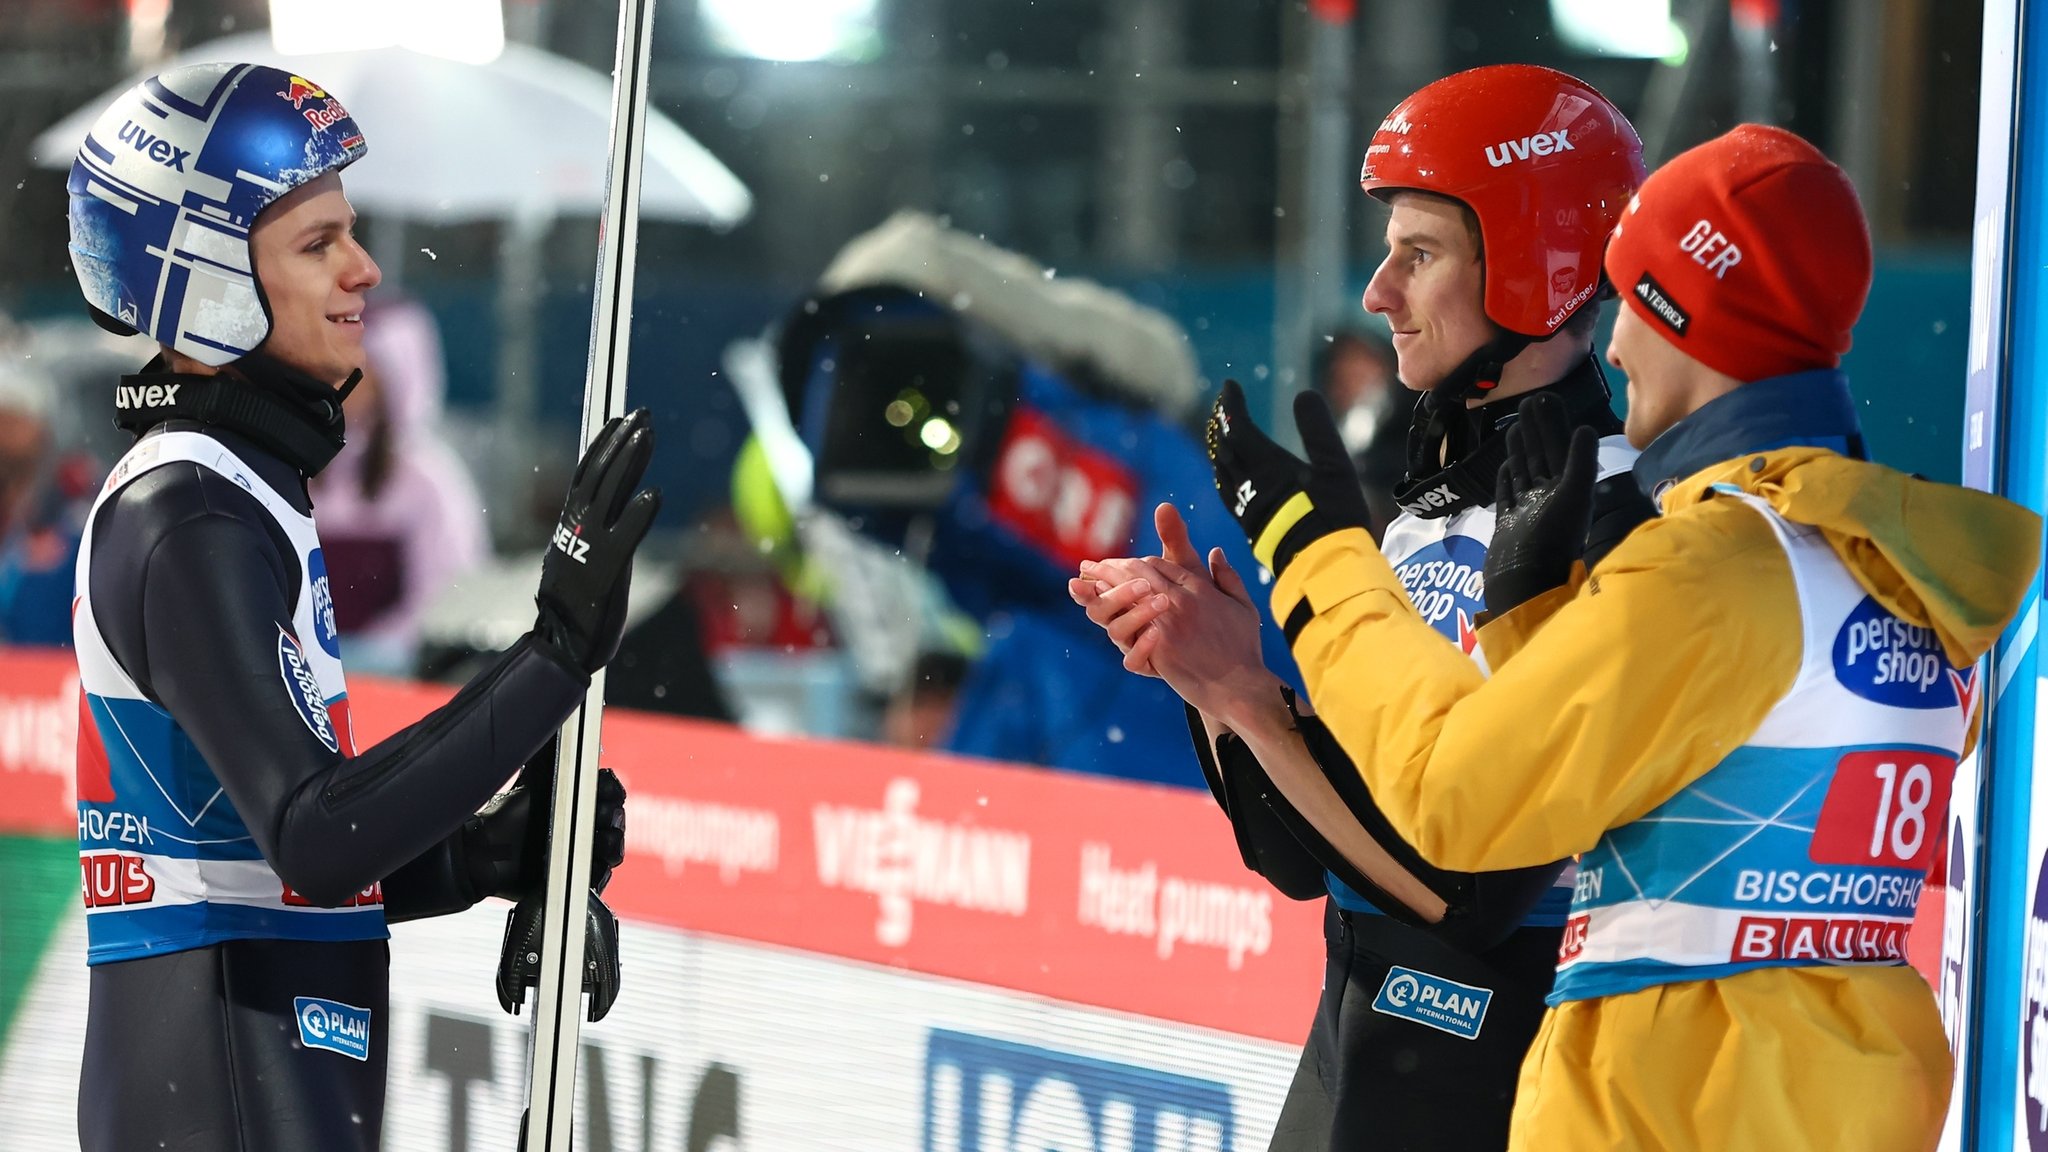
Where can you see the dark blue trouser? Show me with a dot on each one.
(1370, 1081)
(201, 1051)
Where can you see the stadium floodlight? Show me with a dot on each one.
(792, 29)
(1635, 28)
(471, 31)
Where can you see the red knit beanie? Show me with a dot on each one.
(1749, 253)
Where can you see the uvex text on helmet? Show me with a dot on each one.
(1545, 163)
(167, 185)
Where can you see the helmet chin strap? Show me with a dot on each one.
(347, 386)
(1455, 452)
(1480, 373)
(1445, 428)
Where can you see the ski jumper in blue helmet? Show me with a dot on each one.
(240, 855)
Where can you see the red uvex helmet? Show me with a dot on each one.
(1546, 163)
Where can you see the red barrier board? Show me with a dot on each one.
(1099, 892)
(38, 735)
(1093, 891)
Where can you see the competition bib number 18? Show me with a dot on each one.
(1884, 809)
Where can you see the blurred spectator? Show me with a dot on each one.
(1354, 370)
(400, 518)
(665, 660)
(818, 586)
(923, 714)
(664, 666)
(976, 420)
(42, 514)
(24, 441)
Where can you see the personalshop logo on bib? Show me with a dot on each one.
(304, 688)
(1886, 660)
(1447, 584)
(333, 1026)
(1433, 1001)
(323, 605)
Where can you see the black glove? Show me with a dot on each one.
(1619, 504)
(589, 562)
(1543, 504)
(1283, 503)
(519, 957)
(498, 842)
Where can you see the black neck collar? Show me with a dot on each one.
(1455, 452)
(280, 409)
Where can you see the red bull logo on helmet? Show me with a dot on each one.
(300, 90)
(325, 114)
(324, 118)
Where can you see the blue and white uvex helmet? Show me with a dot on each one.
(168, 183)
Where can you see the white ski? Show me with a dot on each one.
(557, 1015)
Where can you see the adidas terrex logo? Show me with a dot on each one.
(1661, 305)
(571, 545)
(1440, 496)
(145, 395)
(1541, 144)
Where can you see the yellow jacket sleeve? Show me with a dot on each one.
(1500, 637)
(1665, 660)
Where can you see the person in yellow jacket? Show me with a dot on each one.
(1745, 718)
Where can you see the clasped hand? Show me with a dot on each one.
(1190, 623)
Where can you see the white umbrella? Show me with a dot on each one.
(522, 136)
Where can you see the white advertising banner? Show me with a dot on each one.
(721, 1046)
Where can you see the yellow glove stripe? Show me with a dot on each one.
(1290, 514)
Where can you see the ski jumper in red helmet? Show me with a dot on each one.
(1546, 190)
